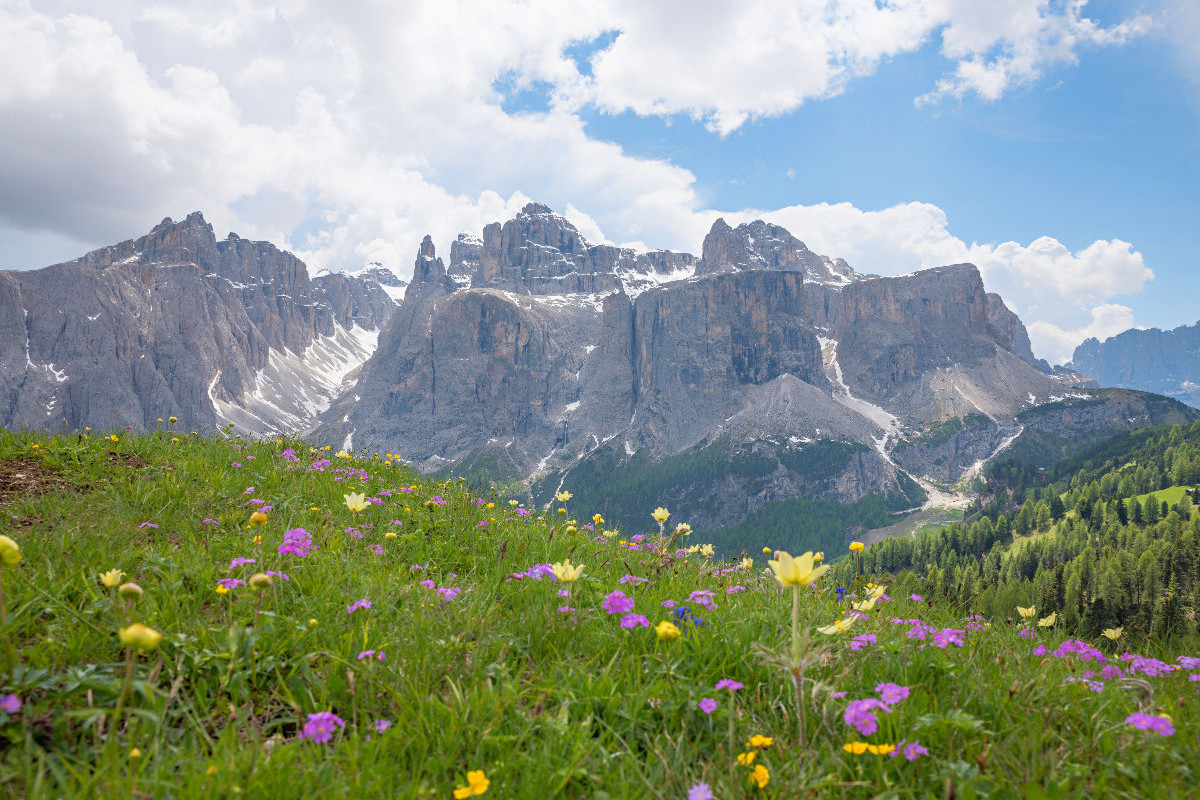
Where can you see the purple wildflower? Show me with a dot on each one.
(209, 522)
(1151, 722)
(701, 791)
(231, 583)
(357, 604)
(147, 525)
(731, 685)
(249, 490)
(892, 693)
(564, 609)
(283, 576)
(1111, 671)
(736, 588)
(321, 726)
(910, 750)
(10, 703)
(296, 542)
(1189, 662)
(378, 655)
(564, 592)
(667, 604)
(382, 725)
(634, 620)
(948, 636)
(859, 642)
(1151, 667)
(427, 583)
(447, 593)
(916, 598)
(237, 562)
(859, 715)
(708, 705)
(617, 603)
(377, 549)
(1027, 633)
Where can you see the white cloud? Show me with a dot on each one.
(1057, 344)
(347, 132)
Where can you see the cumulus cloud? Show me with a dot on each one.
(1057, 345)
(347, 132)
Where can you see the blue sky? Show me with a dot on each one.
(1056, 145)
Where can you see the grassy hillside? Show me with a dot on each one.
(416, 648)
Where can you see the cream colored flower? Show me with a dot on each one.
(565, 572)
(800, 571)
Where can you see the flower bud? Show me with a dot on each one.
(667, 632)
(261, 580)
(257, 519)
(130, 591)
(139, 637)
(10, 552)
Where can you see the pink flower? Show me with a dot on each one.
(447, 593)
(237, 562)
(708, 705)
(428, 584)
(10, 703)
(634, 620)
(617, 603)
(733, 589)
(357, 604)
(378, 655)
(859, 715)
(731, 685)
(891, 693)
(321, 726)
(1151, 722)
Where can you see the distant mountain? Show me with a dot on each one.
(1165, 362)
(176, 323)
(756, 373)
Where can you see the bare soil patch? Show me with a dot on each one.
(28, 476)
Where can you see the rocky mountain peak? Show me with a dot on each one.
(762, 245)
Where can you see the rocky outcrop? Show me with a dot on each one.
(1153, 360)
(760, 245)
(176, 323)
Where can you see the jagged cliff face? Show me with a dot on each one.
(536, 353)
(1166, 362)
(177, 323)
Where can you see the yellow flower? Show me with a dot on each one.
(610, 534)
(747, 563)
(211, 771)
(390, 535)
(796, 571)
(221, 589)
(562, 497)
(327, 447)
(818, 557)
(172, 420)
(1027, 613)
(257, 540)
(597, 519)
(135, 753)
(257, 519)
(683, 529)
(342, 454)
(856, 547)
(747, 758)
(355, 502)
(314, 508)
(1113, 633)
(312, 623)
(877, 591)
(139, 637)
(865, 605)
(760, 775)
(562, 512)
(758, 740)
(766, 551)
(113, 437)
(10, 552)
(261, 580)
(660, 515)
(565, 572)
(667, 632)
(490, 505)
(160, 419)
(1046, 622)
(858, 748)
(477, 783)
(837, 627)
(881, 749)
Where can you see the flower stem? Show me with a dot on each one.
(10, 657)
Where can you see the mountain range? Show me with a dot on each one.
(1153, 360)
(755, 373)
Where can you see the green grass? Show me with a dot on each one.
(548, 704)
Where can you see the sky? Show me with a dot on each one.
(1053, 143)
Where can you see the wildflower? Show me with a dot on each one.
(147, 525)
(910, 750)
(1113, 633)
(565, 572)
(136, 753)
(357, 604)
(701, 791)
(667, 632)
(708, 705)
(731, 685)
(748, 563)
(683, 529)
(261, 580)
(858, 748)
(477, 783)
(859, 642)
(702, 597)
(10, 703)
(258, 518)
(760, 775)
(916, 598)
(321, 726)
(617, 603)
(378, 655)
(634, 620)
(838, 626)
(766, 551)
(139, 637)
(597, 519)
(562, 497)
(130, 591)
(1159, 723)
(747, 758)
(859, 714)
(10, 552)
(1027, 613)
(172, 420)
(355, 502)
(660, 515)
(448, 594)
(1046, 622)
(891, 693)
(856, 547)
(632, 579)
(796, 571)
(948, 636)
(237, 562)
(111, 578)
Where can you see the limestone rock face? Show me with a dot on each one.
(176, 323)
(1166, 362)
